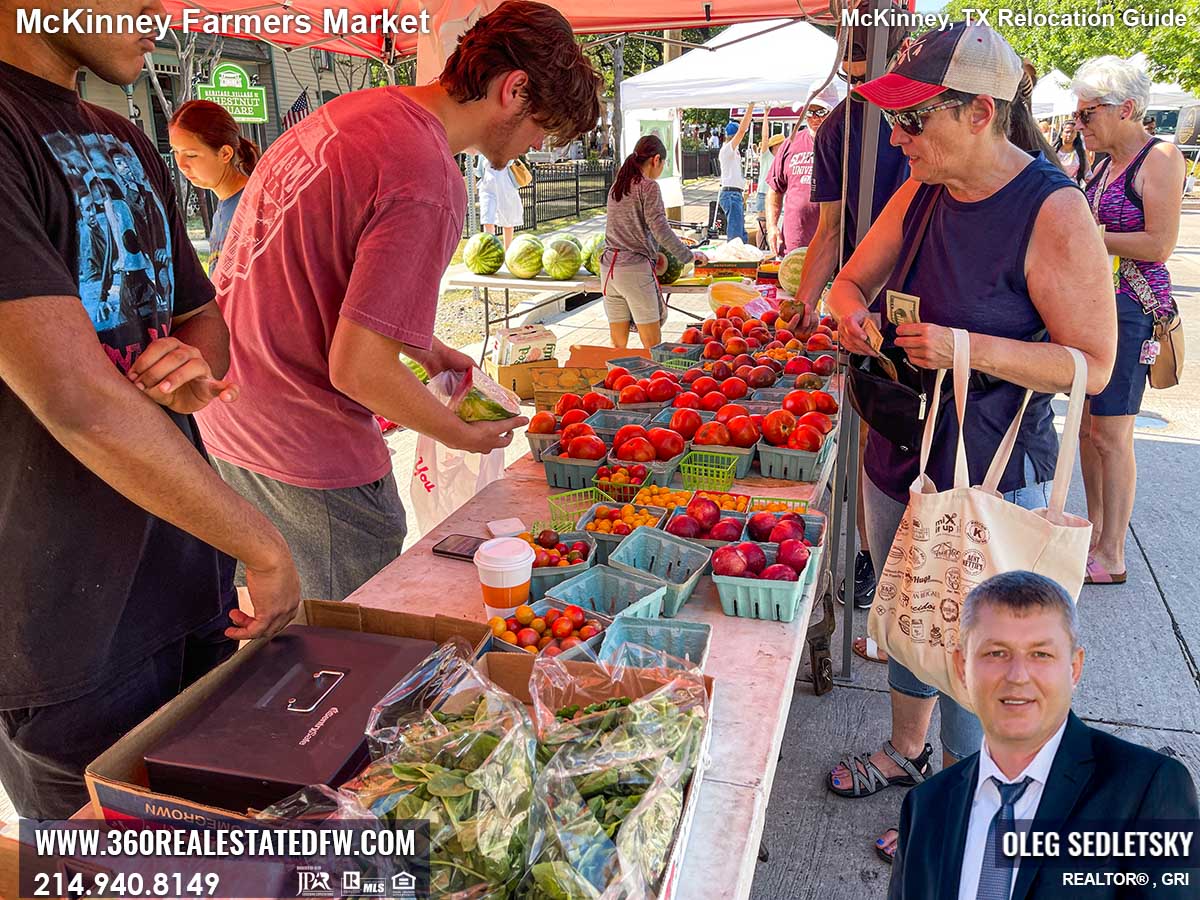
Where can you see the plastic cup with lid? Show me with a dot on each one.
(505, 567)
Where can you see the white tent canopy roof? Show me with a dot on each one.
(1163, 93)
(780, 67)
(1052, 96)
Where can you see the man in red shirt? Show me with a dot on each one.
(789, 184)
(331, 270)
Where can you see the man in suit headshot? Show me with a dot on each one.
(1020, 659)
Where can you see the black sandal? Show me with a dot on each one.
(868, 780)
(888, 858)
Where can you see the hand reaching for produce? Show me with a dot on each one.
(176, 375)
(275, 594)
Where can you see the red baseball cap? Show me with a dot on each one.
(970, 58)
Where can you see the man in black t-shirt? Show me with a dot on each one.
(109, 512)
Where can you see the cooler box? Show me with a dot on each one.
(295, 717)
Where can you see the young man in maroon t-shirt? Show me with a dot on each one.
(331, 270)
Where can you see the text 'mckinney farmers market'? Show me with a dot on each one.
(332, 21)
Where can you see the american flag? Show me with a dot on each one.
(298, 111)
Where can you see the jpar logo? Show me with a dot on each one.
(314, 884)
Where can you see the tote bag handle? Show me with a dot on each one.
(962, 372)
(1065, 464)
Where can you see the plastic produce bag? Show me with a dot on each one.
(609, 798)
(444, 479)
(460, 753)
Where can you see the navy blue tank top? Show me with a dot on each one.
(970, 273)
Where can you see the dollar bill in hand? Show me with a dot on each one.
(874, 336)
(903, 309)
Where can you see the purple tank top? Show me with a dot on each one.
(1121, 211)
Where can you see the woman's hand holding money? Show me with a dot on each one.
(851, 334)
(928, 346)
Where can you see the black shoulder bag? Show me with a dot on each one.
(895, 409)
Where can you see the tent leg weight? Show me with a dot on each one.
(819, 634)
(763, 853)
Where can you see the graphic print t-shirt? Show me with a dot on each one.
(92, 582)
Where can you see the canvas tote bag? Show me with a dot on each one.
(950, 541)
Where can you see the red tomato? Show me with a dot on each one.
(805, 437)
(660, 390)
(742, 431)
(667, 443)
(610, 380)
(578, 429)
(824, 402)
(817, 420)
(575, 614)
(632, 394)
(777, 426)
(687, 400)
(571, 416)
(729, 411)
(637, 449)
(587, 447)
(734, 388)
(562, 626)
(626, 432)
(566, 403)
(686, 422)
(594, 402)
(663, 373)
(712, 433)
(542, 423)
(798, 403)
(705, 385)
(623, 382)
(712, 401)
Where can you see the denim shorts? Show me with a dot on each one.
(961, 733)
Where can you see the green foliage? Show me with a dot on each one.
(1174, 52)
(640, 54)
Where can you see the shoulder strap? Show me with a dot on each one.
(1132, 171)
(918, 237)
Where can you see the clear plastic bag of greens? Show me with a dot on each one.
(461, 755)
(618, 745)
(603, 821)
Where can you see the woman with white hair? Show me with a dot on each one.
(1136, 196)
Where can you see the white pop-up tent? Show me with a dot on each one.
(1052, 96)
(772, 61)
(1163, 93)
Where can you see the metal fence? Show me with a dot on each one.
(560, 190)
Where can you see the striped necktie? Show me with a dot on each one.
(995, 875)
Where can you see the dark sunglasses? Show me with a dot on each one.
(912, 122)
(1083, 116)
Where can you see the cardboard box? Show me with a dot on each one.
(117, 781)
(595, 357)
(551, 382)
(738, 268)
(511, 672)
(528, 343)
(517, 378)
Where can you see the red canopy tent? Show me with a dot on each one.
(585, 16)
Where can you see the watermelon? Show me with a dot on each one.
(561, 259)
(567, 236)
(524, 257)
(593, 249)
(790, 269)
(479, 399)
(667, 267)
(484, 254)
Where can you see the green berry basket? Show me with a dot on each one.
(664, 470)
(703, 470)
(566, 508)
(679, 363)
(624, 493)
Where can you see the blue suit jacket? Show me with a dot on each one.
(1095, 779)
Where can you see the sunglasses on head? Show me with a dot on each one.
(1083, 116)
(912, 122)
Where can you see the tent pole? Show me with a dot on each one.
(872, 120)
(618, 77)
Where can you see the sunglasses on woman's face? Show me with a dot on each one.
(1083, 116)
(912, 122)
(818, 113)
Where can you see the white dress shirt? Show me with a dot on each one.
(731, 167)
(987, 803)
